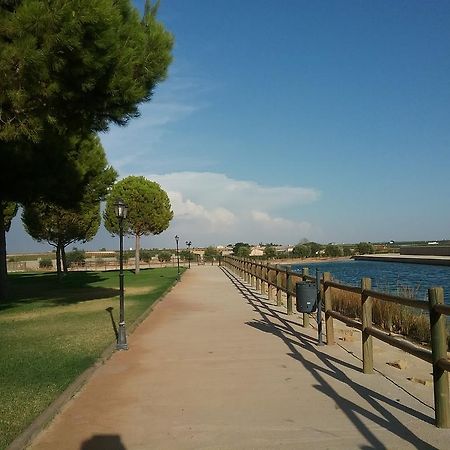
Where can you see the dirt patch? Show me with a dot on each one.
(54, 311)
(138, 290)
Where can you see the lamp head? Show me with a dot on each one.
(121, 209)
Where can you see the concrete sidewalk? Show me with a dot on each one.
(216, 366)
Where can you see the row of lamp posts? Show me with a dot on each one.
(121, 210)
(188, 243)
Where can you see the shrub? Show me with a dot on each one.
(164, 256)
(75, 257)
(364, 248)
(45, 263)
(301, 251)
(147, 255)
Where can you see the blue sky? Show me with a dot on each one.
(326, 120)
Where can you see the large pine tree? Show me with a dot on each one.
(68, 68)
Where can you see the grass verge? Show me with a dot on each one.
(51, 332)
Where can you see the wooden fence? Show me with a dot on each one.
(277, 280)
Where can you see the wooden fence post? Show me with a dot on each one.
(438, 324)
(289, 294)
(305, 272)
(366, 319)
(258, 279)
(269, 284)
(263, 276)
(328, 307)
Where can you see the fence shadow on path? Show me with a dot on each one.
(300, 344)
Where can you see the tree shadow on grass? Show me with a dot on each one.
(45, 289)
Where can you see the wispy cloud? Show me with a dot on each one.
(140, 141)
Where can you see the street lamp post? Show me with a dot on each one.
(189, 243)
(121, 210)
(178, 258)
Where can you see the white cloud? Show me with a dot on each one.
(214, 208)
(216, 188)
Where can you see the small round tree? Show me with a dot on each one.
(211, 254)
(149, 210)
(270, 252)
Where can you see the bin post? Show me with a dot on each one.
(366, 319)
(289, 292)
(305, 273)
(439, 351)
(319, 309)
(328, 307)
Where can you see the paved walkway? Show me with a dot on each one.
(215, 366)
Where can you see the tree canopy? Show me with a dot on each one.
(301, 251)
(9, 211)
(241, 249)
(270, 251)
(77, 65)
(211, 254)
(333, 250)
(59, 226)
(149, 209)
(69, 68)
(164, 256)
(364, 248)
(186, 255)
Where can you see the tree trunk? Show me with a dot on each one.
(64, 259)
(136, 255)
(58, 260)
(3, 266)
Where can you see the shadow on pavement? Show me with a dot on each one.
(300, 344)
(103, 442)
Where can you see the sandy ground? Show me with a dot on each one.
(216, 366)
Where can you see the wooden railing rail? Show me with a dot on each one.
(282, 279)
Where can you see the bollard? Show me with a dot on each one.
(439, 351)
(289, 292)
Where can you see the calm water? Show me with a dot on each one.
(388, 277)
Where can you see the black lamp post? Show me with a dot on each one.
(121, 210)
(189, 243)
(178, 258)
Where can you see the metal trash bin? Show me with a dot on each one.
(306, 293)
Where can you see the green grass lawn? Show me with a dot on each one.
(52, 331)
